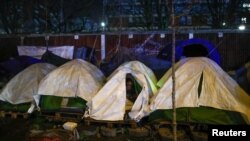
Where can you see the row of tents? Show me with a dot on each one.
(204, 92)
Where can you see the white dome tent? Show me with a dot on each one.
(218, 89)
(76, 78)
(22, 87)
(110, 102)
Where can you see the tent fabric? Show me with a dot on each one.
(76, 78)
(18, 63)
(22, 87)
(121, 56)
(55, 103)
(6, 106)
(54, 59)
(218, 89)
(110, 102)
(242, 76)
(139, 67)
(85, 53)
(159, 66)
(37, 51)
(201, 115)
(213, 53)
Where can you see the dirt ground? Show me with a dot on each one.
(23, 130)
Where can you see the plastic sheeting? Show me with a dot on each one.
(76, 78)
(121, 56)
(51, 58)
(24, 85)
(37, 51)
(218, 89)
(110, 102)
(85, 53)
(242, 76)
(195, 46)
(15, 65)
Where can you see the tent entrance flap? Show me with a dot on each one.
(195, 50)
(110, 101)
(133, 88)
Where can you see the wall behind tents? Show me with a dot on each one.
(234, 47)
(8, 47)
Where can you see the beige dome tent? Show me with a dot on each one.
(22, 87)
(200, 82)
(110, 102)
(76, 78)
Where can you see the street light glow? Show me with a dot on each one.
(242, 27)
(103, 24)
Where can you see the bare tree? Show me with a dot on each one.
(223, 11)
(155, 11)
(42, 16)
(10, 13)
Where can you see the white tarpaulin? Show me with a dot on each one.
(76, 78)
(218, 89)
(110, 102)
(22, 87)
(38, 51)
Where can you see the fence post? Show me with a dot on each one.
(103, 46)
(22, 39)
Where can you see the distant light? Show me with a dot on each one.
(220, 34)
(130, 36)
(191, 35)
(47, 37)
(242, 27)
(243, 20)
(162, 35)
(224, 24)
(246, 5)
(76, 37)
(103, 24)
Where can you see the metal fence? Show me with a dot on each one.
(233, 46)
